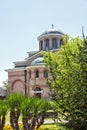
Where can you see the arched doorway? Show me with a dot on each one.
(37, 92)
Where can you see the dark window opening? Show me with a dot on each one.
(30, 74)
(54, 44)
(61, 42)
(45, 73)
(41, 45)
(47, 44)
(37, 74)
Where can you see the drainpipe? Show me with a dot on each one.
(25, 75)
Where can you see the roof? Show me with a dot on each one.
(38, 61)
(51, 31)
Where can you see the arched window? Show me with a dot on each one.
(45, 73)
(61, 42)
(41, 45)
(47, 44)
(54, 44)
(37, 74)
(30, 74)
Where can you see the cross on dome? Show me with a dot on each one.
(52, 26)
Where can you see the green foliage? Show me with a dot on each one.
(3, 107)
(3, 112)
(33, 110)
(68, 81)
(26, 106)
(39, 105)
(14, 101)
(5, 84)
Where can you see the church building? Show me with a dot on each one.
(29, 76)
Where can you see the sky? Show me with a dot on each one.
(22, 21)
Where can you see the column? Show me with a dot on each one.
(39, 46)
(50, 44)
(44, 45)
(41, 73)
(58, 43)
(33, 74)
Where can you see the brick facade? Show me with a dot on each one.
(29, 76)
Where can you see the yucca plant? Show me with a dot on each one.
(3, 112)
(33, 110)
(14, 102)
(26, 108)
(44, 106)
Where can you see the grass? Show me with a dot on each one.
(51, 127)
(43, 127)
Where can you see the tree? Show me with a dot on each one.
(14, 102)
(5, 86)
(3, 112)
(68, 82)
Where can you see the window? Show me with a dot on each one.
(47, 44)
(45, 73)
(37, 74)
(30, 74)
(41, 45)
(54, 43)
(61, 42)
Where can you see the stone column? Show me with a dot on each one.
(32, 74)
(50, 43)
(41, 73)
(44, 45)
(31, 81)
(39, 46)
(27, 79)
(28, 82)
(58, 43)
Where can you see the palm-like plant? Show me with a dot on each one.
(44, 106)
(3, 112)
(14, 102)
(33, 110)
(26, 108)
(36, 108)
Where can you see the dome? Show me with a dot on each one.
(52, 31)
(37, 61)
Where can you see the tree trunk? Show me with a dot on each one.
(25, 123)
(11, 119)
(1, 128)
(2, 122)
(33, 123)
(14, 116)
(40, 120)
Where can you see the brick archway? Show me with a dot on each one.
(18, 86)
